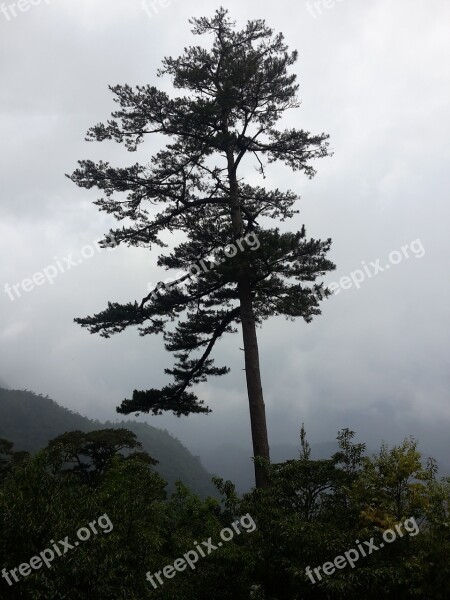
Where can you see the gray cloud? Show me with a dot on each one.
(376, 77)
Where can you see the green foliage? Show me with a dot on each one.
(317, 510)
(39, 504)
(394, 479)
(90, 453)
(30, 421)
(313, 511)
(9, 458)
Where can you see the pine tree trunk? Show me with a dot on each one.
(252, 367)
(254, 386)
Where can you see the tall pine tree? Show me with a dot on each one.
(235, 92)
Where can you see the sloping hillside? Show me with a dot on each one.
(31, 421)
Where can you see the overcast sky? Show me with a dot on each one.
(375, 75)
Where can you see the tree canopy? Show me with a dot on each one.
(313, 511)
(235, 93)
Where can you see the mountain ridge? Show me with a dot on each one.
(31, 420)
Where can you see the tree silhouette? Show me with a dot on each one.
(236, 91)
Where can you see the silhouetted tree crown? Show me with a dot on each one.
(235, 92)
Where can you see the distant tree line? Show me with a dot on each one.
(313, 511)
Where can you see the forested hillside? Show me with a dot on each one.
(30, 421)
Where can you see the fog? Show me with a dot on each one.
(376, 77)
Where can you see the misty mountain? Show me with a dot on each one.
(30, 421)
